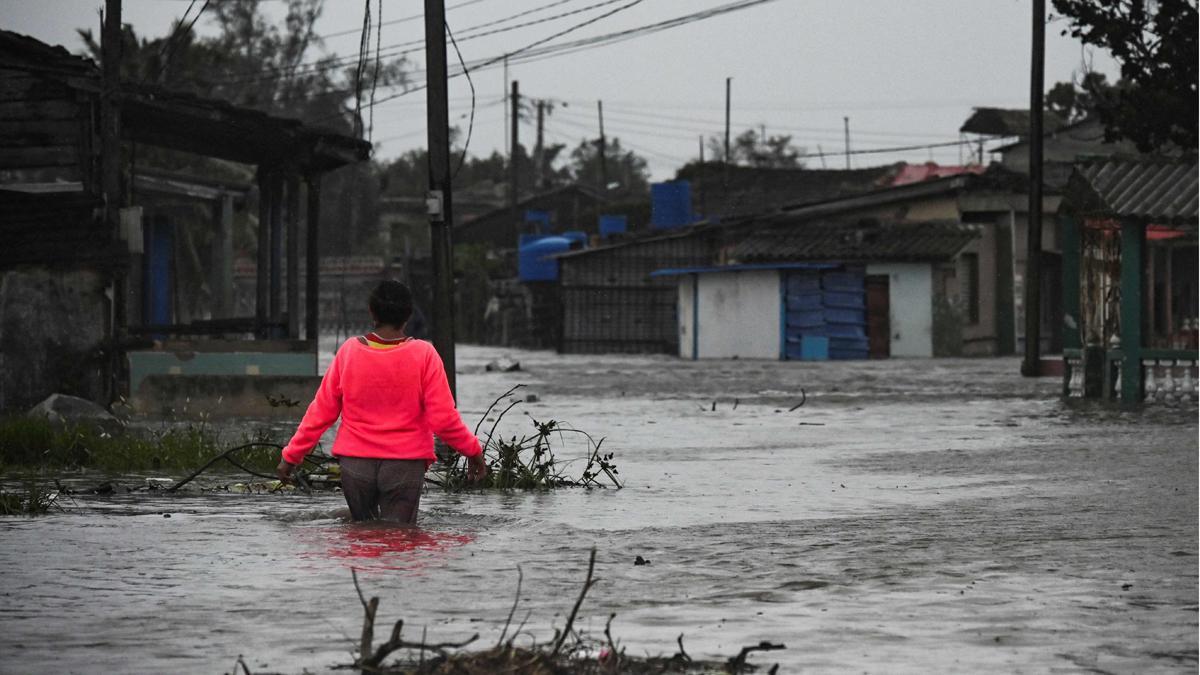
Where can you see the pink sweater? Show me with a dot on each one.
(391, 401)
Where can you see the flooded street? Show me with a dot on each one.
(911, 516)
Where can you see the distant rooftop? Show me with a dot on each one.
(1007, 122)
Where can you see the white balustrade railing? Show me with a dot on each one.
(1170, 381)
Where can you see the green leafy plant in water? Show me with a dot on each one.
(528, 462)
(36, 500)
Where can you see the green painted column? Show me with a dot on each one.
(1133, 245)
(1072, 251)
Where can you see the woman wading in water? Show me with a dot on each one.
(392, 395)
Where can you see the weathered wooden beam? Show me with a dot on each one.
(53, 109)
(312, 287)
(293, 255)
(30, 158)
(276, 248)
(262, 290)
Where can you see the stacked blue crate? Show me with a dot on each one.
(825, 316)
(804, 317)
(843, 296)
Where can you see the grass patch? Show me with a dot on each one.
(36, 443)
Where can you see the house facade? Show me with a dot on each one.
(66, 263)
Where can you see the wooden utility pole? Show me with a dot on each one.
(110, 115)
(700, 180)
(441, 215)
(539, 150)
(846, 126)
(109, 183)
(728, 93)
(603, 151)
(514, 153)
(1033, 256)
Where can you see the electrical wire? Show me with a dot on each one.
(400, 49)
(497, 59)
(375, 75)
(364, 48)
(168, 49)
(404, 19)
(462, 159)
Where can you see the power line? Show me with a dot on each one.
(411, 17)
(538, 50)
(413, 46)
(497, 59)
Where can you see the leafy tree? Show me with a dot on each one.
(1073, 101)
(1155, 43)
(762, 151)
(255, 63)
(627, 172)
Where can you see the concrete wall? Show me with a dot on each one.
(686, 313)
(202, 397)
(910, 286)
(739, 315)
(52, 327)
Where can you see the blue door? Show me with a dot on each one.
(159, 281)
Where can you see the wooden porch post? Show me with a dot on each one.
(261, 283)
(276, 248)
(312, 286)
(293, 256)
(1072, 248)
(1133, 245)
(221, 274)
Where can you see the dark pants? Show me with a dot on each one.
(383, 489)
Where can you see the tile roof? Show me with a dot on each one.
(752, 190)
(1007, 122)
(861, 241)
(1162, 191)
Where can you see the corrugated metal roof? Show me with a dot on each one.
(1154, 190)
(928, 241)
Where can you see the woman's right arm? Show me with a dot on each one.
(440, 411)
(321, 414)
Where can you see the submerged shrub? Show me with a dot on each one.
(529, 462)
(35, 500)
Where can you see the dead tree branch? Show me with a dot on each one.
(737, 663)
(575, 610)
(516, 599)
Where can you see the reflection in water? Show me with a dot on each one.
(380, 545)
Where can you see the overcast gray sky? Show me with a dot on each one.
(905, 73)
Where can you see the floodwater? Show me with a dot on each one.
(912, 516)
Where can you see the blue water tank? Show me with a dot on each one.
(535, 260)
(540, 221)
(671, 204)
(579, 239)
(613, 224)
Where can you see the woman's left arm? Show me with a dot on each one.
(321, 414)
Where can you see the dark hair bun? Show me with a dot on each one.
(391, 303)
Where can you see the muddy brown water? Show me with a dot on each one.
(912, 516)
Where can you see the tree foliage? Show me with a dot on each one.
(1073, 101)
(1155, 43)
(762, 151)
(283, 70)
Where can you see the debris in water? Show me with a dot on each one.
(503, 365)
(640, 561)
